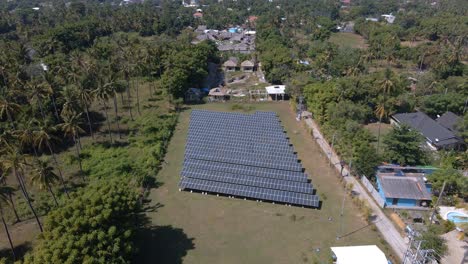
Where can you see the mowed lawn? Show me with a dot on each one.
(196, 228)
(348, 40)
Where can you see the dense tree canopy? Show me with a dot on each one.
(404, 146)
(96, 226)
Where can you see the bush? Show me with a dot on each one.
(96, 226)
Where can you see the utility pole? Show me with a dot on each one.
(437, 203)
(331, 149)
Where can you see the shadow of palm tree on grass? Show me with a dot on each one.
(163, 244)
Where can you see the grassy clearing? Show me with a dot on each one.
(221, 230)
(348, 40)
(384, 129)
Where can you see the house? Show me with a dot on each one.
(219, 94)
(389, 18)
(437, 136)
(247, 66)
(372, 19)
(242, 48)
(198, 15)
(403, 191)
(226, 47)
(193, 95)
(231, 64)
(450, 121)
(276, 90)
(369, 254)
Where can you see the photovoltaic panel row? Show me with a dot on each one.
(250, 160)
(263, 152)
(249, 144)
(237, 131)
(284, 157)
(291, 186)
(239, 137)
(246, 170)
(195, 137)
(250, 192)
(251, 126)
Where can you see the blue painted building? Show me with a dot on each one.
(403, 191)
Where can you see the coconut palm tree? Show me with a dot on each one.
(14, 163)
(42, 139)
(381, 111)
(49, 80)
(8, 108)
(10, 195)
(86, 98)
(39, 91)
(103, 92)
(25, 136)
(44, 176)
(387, 85)
(71, 128)
(5, 191)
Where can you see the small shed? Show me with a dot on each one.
(231, 64)
(193, 95)
(276, 90)
(247, 66)
(219, 94)
(370, 254)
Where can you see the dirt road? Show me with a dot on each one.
(381, 221)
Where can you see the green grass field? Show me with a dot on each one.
(348, 40)
(196, 228)
(384, 129)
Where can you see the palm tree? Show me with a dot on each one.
(115, 89)
(44, 176)
(71, 128)
(39, 92)
(381, 111)
(10, 195)
(49, 80)
(8, 108)
(5, 191)
(387, 86)
(103, 93)
(14, 162)
(25, 136)
(86, 98)
(42, 138)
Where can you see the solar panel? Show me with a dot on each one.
(244, 155)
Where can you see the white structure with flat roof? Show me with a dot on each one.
(370, 254)
(275, 90)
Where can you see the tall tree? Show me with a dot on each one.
(43, 138)
(403, 146)
(5, 191)
(44, 176)
(8, 109)
(14, 162)
(103, 92)
(71, 128)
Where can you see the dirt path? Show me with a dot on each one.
(383, 224)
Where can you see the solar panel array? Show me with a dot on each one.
(244, 155)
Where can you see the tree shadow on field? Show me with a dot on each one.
(163, 244)
(20, 251)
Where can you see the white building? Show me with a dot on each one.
(276, 90)
(389, 18)
(359, 255)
